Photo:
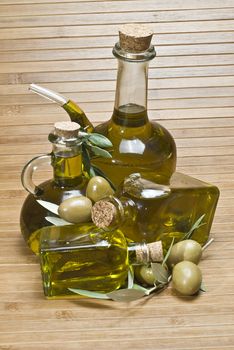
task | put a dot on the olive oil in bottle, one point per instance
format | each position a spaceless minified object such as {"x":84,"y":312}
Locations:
{"x":68,"y":180}
{"x":147,"y":212}
{"x":138,"y":144}
{"x":86,"y":257}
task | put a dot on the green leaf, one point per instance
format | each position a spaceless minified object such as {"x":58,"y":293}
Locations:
{"x":86,"y":158}
{"x":195,"y":226}
{"x":87,"y":293}
{"x":147,"y":291}
{"x":100,"y":152}
{"x":168,"y":252}
{"x":100,"y":140}
{"x":57,"y":221}
{"x":202,"y":287}
{"x":126,"y":295}
{"x":130,"y":277}
{"x":53,"y":208}
{"x":92,"y":171}
{"x":160,"y":272}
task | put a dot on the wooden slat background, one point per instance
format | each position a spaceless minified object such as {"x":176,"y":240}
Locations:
{"x":66,"y":45}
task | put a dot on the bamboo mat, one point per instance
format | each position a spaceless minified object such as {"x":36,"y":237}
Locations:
{"x":66,"y":46}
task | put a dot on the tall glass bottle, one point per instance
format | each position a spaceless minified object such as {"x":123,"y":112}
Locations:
{"x":147,"y":212}
{"x":138,"y":144}
{"x":68,"y":180}
{"x":85,"y":257}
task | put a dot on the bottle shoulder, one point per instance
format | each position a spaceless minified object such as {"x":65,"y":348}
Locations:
{"x":152,"y":134}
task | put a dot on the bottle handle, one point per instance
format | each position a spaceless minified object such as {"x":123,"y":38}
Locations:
{"x":28,"y":170}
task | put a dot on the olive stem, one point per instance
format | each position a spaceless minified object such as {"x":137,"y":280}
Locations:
{"x":207,"y":244}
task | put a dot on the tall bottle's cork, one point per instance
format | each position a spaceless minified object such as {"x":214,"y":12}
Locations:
{"x":66,"y":129}
{"x":135,"y":37}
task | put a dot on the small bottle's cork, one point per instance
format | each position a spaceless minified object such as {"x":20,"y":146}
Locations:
{"x":103,"y":213}
{"x":135,"y":37}
{"x":151,"y":252}
{"x":155,"y":251}
{"x":66,"y":129}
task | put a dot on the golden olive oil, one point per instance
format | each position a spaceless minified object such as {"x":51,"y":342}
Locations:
{"x":138,"y":146}
{"x":148,"y":212}
{"x":82,"y":257}
{"x":173,"y":215}
{"x":69,"y":183}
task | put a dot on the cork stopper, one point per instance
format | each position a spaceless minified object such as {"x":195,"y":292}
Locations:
{"x":135,"y":37}
{"x":151,"y":252}
{"x":66,"y":129}
{"x":103,"y":213}
{"x":155,"y":251}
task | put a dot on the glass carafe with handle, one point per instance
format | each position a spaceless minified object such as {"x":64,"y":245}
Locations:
{"x":68,"y":180}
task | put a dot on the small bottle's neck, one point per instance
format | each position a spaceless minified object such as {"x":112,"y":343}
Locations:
{"x":111,"y":212}
{"x":142,"y":253}
{"x":67,"y":165}
{"x":132,"y":87}
{"x":138,"y":253}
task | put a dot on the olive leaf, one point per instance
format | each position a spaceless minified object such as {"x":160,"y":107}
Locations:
{"x":160,"y":272}
{"x":195,"y":226}
{"x":53,"y":208}
{"x":92,"y":171}
{"x":99,"y":140}
{"x":126,"y":294}
{"x":168,"y":252}
{"x":57,"y":221}
{"x":207,"y":244}
{"x":86,"y":159}
{"x":202,"y":288}
{"x":147,"y":291}
{"x":99,"y":151}
{"x":130,"y":277}
{"x":87,"y":293}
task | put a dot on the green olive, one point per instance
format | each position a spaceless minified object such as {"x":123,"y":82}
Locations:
{"x":98,"y":188}
{"x":76,"y":209}
{"x":188,"y":249}
{"x":186,"y":278}
{"x":144,"y":274}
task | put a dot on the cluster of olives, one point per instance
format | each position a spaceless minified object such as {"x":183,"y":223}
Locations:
{"x":182,"y":261}
{"x":77,"y":209}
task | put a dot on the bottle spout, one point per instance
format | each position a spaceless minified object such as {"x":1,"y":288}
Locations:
{"x":49,"y":94}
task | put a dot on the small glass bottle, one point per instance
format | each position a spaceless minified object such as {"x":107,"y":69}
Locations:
{"x":86,"y":257}
{"x":75,"y":113}
{"x":68,"y":180}
{"x":147,"y":212}
{"x":138,"y":144}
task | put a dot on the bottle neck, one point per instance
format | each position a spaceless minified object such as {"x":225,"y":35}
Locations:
{"x":142,"y":253}
{"x":77,"y":115}
{"x":110,"y":213}
{"x":138,"y":253}
{"x":132,"y":86}
{"x":66,"y":161}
